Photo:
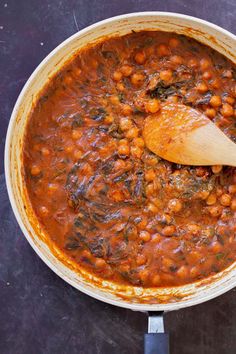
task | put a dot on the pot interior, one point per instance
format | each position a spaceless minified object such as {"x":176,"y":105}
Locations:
{"x":126,"y":296}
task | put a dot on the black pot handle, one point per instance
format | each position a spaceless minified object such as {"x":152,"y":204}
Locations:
{"x":156,"y":341}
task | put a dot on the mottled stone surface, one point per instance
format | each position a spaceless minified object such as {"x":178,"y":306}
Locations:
{"x":39,"y":313}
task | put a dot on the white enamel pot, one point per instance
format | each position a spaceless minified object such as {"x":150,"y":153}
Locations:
{"x":135,"y":298}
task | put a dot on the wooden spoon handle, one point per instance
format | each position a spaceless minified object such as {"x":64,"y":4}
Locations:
{"x":210,"y":146}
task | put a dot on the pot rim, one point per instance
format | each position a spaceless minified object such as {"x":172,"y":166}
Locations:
{"x":121,"y":303}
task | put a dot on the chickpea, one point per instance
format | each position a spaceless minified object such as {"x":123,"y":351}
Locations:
{"x":157,"y":203}
{"x":152,"y":208}
{"x":166,"y":75}
{"x":125,"y":267}
{"x":225,"y":199}
{"x":126,"y":70}
{"x":194,"y":271}
{"x":115,"y":99}
{"x":211,"y":199}
{"x":69,"y":148}
{"x":124,"y":150}
{"x":141,"y":259}
{"x":120,"y":86}
{"x":207,"y":75}
{"x":149,"y":189}
{"x":45,"y":151}
{"x":156,"y":238}
{"x":174,"y":42}
{"x":183,"y":91}
{"x":173,"y":99}
{"x":150,"y":175}
{"x":182,"y":272}
{"x":43,"y":211}
{"x":192,"y":63}
{"x":203,"y":194}
{"x":216,"y":83}
{"x":168,"y":230}
{"x":67,"y":80}
{"x":176,"y":59}
{"x":216,"y":247}
{"x":230,"y":100}
{"x":123,"y":142}
{"x":193,"y":228}
{"x":117,"y":196}
{"x":117,"y":75}
{"x":227,"y":110}
{"x":136,"y":151}
{"x":205,"y":64}
{"x":227,"y":74}
{"x":200,"y":171}
{"x":215,"y":211}
{"x":233,"y":204}
{"x":119,"y":164}
{"x":202,"y":87}
{"x":109,"y":119}
{"x":144,"y":275}
{"x":152,"y":105}
{"x":168,"y":278}
{"x":145,"y":236}
{"x":127,"y":109}
{"x":194,"y":257}
{"x":207,"y":262}
{"x":215,"y":101}
{"x":175,"y":205}
{"x":142,"y":223}
{"x":100,"y":263}
{"x":126,"y":123}
{"x":232,"y":189}
{"x":156,"y":279}
{"x":216,"y":168}
{"x":166,"y":217}
{"x":210,"y":112}
{"x":35,"y":170}
{"x":78,"y":154}
{"x":132,"y":133}
{"x":137,"y":79}
{"x":86,"y":254}
{"x":163,"y":50}
{"x":139,"y":142}
{"x":153,"y":161}
{"x":167,"y":263}
{"x":76,"y":134}
{"x":140,"y":57}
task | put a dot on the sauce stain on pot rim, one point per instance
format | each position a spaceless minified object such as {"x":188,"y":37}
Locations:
{"x":175,"y":295}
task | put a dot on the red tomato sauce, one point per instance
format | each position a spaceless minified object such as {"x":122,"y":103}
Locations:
{"x":102,"y":197}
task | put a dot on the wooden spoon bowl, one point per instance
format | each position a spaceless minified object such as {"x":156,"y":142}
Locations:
{"x":183,"y":135}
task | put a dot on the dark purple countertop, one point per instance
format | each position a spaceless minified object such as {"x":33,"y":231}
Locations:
{"x":39,"y":313}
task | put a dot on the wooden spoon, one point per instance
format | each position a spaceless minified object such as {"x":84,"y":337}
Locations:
{"x":185,"y":136}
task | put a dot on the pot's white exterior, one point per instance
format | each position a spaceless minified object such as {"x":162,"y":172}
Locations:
{"x":129,"y":297}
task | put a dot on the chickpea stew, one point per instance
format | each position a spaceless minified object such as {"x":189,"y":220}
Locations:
{"x":102,"y":197}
